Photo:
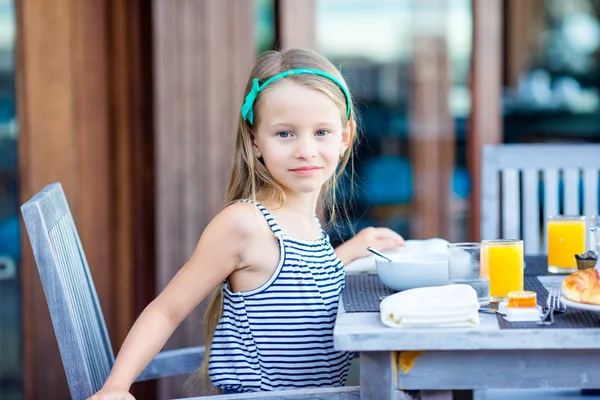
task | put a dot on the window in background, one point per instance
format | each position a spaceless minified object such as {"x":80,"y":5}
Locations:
{"x":407,"y":64}
{"x":10,"y":250}
{"x":264,"y":24}
{"x":552,"y":54}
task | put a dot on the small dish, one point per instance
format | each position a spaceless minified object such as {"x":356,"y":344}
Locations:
{"x":585,"y":264}
{"x":586,"y":260}
{"x":529,"y":314}
{"x":419,"y":270}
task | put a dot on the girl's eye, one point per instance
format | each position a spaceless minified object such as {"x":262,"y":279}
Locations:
{"x":322,"y":132}
{"x":284,"y":134}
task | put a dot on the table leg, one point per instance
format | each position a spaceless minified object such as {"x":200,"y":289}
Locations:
{"x":378,"y":377}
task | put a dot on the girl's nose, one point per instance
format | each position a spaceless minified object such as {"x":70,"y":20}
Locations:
{"x":305,"y":149}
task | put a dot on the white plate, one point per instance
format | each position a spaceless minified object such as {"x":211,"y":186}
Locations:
{"x":581,"y":306}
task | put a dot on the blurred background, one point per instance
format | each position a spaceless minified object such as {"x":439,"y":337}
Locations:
{"x":132,"y":106}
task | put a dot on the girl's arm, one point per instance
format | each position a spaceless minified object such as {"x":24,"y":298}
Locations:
{"x":220,"y":251}
{"x":379,"y":238}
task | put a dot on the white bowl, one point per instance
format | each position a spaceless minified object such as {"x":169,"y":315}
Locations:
{"x":418,"y":270}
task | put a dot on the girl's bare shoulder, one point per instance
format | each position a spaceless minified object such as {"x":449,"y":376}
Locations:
{"x":241,"y":219}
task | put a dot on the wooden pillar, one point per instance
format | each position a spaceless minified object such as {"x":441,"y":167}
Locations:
{"x":81,"y":106}
{"x":296,"y":24}
{"x":63,"y":124}
{"x":432,"y":136}
{"x":485,"y":123}
{"x":525,"y":22}
{"x":203,"y":54}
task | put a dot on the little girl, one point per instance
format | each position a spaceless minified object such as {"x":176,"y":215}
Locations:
{"x":270,"y":323}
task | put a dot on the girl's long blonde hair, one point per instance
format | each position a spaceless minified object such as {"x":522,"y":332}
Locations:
{"x":249,"y":178}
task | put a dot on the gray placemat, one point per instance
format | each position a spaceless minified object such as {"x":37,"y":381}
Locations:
{"x":536,"y":266}
{"x":362,"y":293}
{"x":573,"y":318}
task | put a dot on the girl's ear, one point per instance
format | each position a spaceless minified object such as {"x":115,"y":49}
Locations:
{"x":348,"y":134}
{"x":255,"y":148}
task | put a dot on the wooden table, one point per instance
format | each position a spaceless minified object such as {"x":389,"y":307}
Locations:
{"x":436,"y":361}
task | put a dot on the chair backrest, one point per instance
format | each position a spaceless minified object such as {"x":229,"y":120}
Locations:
{"x":522,"y":184}
{"x":79,"y":325}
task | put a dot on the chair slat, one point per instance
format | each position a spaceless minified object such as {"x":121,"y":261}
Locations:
{"x":511,"y":210}
{"x":51,"y":208}
{"x":590,"y":192}
{"x":531,"y":212}
{"x":98,"y":362}
{"x":490,"y":195}
{"x":550,"y":199}
{"x":571,"y":191}
{"x":590,"y":196}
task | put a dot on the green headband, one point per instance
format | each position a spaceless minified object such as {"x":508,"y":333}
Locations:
{"x":248,"y":107}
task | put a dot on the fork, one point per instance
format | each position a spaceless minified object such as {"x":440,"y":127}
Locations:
{"x":559,"y":306}
{"x":553,"y":304}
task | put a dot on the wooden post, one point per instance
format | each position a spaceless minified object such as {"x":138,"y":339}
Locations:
{"x":432,"y":135}
{"x":485,"y":124}
{"x":83,"y":93}
{"x":296,"y":24}
{"x":63,"y":136}
{"x":526,"y":22}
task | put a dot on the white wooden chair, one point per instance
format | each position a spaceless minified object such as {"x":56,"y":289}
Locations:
{"x":512,"y":176}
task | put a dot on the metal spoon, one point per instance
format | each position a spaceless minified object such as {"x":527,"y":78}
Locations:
{"x":378,"y":253}
{"x":488,"y":310}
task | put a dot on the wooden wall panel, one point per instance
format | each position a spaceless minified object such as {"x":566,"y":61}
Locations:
{"x":130,"y":33}
{"x":203,"y":53}
{"x":122,"y":123}
{"x":485,"y":123}
{"x":141,"y":128}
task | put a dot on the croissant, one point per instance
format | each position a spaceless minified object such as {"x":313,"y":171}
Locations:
{"x":582,"y":286}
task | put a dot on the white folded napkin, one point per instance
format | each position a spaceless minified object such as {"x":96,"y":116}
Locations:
{"x":411,"y":247}
{"x":441,"y":306}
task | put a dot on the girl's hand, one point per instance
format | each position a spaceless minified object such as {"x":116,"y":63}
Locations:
{"x":105,"y":394}
{"x":379,"y":238}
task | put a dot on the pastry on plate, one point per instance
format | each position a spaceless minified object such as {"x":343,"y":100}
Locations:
{"x":582,"y":286}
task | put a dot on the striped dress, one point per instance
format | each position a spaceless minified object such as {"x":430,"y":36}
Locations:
{"x":280,"y":335}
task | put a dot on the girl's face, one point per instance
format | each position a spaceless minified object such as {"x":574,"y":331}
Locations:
{"x":300,"y":136}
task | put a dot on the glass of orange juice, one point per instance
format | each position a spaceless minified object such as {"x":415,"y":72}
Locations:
{"x":502,"y":261}
{"x":566,"y":237}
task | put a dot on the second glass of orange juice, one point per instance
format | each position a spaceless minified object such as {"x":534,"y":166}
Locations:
{"x":502,"y":261}
{"x":566,"y":237}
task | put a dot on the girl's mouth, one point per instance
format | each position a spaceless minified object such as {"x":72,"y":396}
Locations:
{"x":308,"y":170}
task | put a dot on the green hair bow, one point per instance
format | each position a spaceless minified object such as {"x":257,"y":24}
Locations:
{"x":248,"y":106}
